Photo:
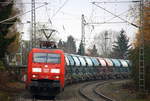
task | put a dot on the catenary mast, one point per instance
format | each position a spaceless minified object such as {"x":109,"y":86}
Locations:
{"x":33,"y":25}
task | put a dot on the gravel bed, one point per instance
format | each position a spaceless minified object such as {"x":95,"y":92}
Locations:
{"x":71,"y":93}
{"x":88,"y":90}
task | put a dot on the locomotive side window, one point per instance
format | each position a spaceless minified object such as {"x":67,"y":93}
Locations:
{"x":53,"y":58}
{"x":39,"y":57}
{"x":46,"y":58}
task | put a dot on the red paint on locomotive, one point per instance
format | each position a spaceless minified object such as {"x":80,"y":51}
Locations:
{"x":51,"y":69}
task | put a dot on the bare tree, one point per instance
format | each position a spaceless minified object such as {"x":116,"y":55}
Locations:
{"x":104,"y":41}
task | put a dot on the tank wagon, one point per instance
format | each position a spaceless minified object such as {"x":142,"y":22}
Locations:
{"x":49,"y":70}
{"x":92,"y":68}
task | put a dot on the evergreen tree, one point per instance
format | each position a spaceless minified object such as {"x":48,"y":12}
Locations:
{"x":71,"y":45}
{"x":60,"y":44}
{"x":93,"y":51}
{"x":121,"y":46}
{"x":81,"y":50}
{"x":6,"y":11}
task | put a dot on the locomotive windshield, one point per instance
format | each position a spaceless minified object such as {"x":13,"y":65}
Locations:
{"x":46,"y":58}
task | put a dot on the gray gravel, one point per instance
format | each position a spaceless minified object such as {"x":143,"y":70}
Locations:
{"x":71,"y":93}
{"x":88,"y":91}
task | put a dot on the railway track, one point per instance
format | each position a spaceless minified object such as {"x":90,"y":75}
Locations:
{"x":27,"y":97}
{"x":88,"y":91}
{"x":34,"y":100}
{"x":100,"y":94}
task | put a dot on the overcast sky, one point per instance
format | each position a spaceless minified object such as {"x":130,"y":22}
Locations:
{"x":67,"y":21}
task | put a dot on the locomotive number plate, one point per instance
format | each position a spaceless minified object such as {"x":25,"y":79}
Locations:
{"x":46,"y":70}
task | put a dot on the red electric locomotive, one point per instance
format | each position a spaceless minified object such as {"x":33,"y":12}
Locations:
{"x":46,"y":71}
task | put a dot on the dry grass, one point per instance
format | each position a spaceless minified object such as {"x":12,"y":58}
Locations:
{"x":9,"y":88}
{"x":116,"y":91}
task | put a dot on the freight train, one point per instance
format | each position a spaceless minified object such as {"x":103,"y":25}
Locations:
{"x":49,"y":70}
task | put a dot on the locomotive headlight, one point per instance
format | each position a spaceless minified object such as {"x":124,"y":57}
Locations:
{"x":36,"y":70}
{"x":34,"y":76}
{"x":55,"y":70}
{"x":57,"y":77}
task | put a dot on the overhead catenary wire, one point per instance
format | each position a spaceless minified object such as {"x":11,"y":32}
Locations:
{"x":115,"y":15}
{"x":133,"y":1}
{"x":99,"y":23}
{"x":59,"y":9}
{"x":49,"y":19}
{"x":107,"y":21}
{"x":23,"y":2}
{"x":90,"y":19}
{"x":21,"y":14}
{"x":119,"y":14}
{"x":92,"y":12}
{"x":73,"y":16}
{"x":95,"y":23}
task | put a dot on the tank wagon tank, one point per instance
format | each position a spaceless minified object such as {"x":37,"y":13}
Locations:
{"x":49,"y":70}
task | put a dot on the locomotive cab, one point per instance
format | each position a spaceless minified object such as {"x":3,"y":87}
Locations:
{"x":45,"y":71}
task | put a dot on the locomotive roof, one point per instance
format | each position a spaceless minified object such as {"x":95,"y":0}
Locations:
{"x":45,"y":49}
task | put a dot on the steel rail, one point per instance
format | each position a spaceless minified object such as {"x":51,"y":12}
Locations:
{"x":100,"y":94}
{"x":106,"y":98}
{"x":82,"y":93}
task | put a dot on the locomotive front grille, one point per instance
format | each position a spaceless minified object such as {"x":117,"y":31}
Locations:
{"x":45,"y":84}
